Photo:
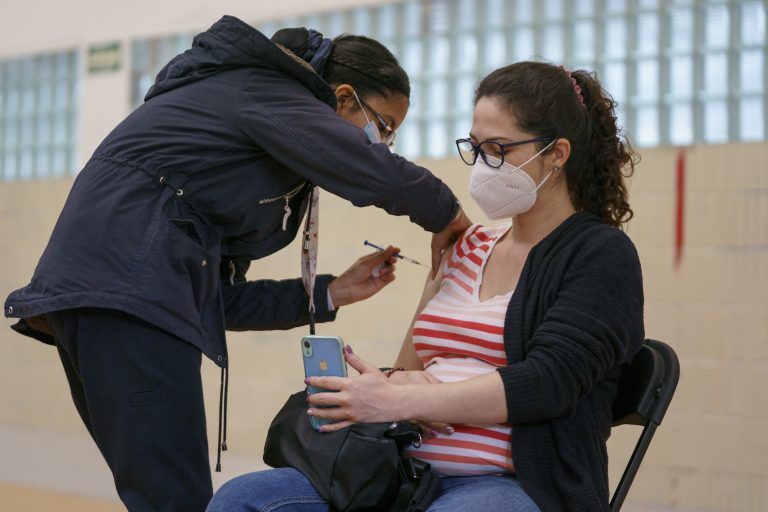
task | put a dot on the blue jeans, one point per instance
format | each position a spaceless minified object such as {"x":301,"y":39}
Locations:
{"x":287,"y":490}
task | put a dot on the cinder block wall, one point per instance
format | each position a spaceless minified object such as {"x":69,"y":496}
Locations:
{"x":709,"y":453}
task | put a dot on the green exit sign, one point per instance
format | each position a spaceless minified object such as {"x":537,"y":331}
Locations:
{"x":103,"y":57}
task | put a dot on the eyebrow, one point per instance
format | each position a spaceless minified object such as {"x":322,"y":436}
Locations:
{"x":490,"y":139}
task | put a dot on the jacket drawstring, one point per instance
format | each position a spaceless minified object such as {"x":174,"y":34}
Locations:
{"x":221,"y":442}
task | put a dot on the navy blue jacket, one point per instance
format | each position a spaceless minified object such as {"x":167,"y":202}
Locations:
{"x":162,"y":221}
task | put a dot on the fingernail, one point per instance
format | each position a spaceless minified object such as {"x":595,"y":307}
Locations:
{"x":434,"y":433}
{"x":449,"y":430}
{"x":306,"y":381}
{"x":348,"y":349}
{"x":310,"y":411}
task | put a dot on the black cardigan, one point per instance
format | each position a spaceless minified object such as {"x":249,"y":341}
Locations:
{"x":575,"y":318}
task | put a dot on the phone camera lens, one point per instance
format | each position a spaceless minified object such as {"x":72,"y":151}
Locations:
{"x":306,"y":344}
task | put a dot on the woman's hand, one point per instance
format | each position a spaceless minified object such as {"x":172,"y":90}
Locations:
{"x":364,"y":278}
{"x":369,"y":398}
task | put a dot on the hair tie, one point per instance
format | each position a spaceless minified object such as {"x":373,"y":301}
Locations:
{"x":576,"y":87}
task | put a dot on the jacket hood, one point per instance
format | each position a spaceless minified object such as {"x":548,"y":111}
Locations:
{"x":231,"y":43}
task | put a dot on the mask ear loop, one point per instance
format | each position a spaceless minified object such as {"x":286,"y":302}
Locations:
{"x":361,"y":106}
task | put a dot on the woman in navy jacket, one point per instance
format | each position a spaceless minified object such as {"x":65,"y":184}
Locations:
{"x":145,"y":268}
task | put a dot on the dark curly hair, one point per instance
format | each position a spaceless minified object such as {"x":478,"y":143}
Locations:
{"x":545,"y":102}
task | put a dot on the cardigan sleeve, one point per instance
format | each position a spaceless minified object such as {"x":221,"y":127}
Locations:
{"x":593,"y":325}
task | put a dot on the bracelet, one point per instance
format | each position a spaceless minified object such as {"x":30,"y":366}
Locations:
{"x":389,"y":372}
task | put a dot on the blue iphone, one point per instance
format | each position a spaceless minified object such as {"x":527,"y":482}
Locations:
{"x":323,"y":356}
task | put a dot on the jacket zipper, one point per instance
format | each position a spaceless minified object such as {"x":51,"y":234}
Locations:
{"x":287,"y":196}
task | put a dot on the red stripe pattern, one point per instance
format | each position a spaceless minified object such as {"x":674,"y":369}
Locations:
{"x":458,"y":337}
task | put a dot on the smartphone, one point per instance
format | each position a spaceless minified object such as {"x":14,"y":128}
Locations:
{"x":323,"y":356}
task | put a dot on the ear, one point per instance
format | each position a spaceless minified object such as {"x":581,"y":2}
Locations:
{"x":345,"y":99}
{"x":561,"y":152}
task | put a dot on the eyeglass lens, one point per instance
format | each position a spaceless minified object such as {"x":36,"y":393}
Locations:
{"x":469,"y":152}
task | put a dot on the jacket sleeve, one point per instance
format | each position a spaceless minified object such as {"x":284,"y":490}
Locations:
{"x":265,"y":305}
{"x":593,"y":326}
{"x":304,"y":134}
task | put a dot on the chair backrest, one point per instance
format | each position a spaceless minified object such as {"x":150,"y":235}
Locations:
{"x":645,"y":390}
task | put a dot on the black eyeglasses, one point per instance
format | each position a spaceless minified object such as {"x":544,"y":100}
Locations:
{"x":469,"y":151}
{"x":388,"y":135}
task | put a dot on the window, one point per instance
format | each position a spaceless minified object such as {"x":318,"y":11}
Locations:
{"x":38,"y":112}
{"x":149,"y":56}
{"x":683,"y":71}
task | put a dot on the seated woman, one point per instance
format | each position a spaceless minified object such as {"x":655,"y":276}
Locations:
{"x":513,"y":358}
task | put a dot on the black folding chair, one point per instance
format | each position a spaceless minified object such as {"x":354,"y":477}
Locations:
{"x":646,"y":388}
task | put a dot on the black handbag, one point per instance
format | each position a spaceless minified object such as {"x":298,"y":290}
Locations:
{"x":358,"y":468}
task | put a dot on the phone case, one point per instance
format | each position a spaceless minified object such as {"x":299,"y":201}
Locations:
{"x":323,"y":356}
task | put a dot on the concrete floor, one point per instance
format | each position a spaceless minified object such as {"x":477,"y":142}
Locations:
{"x":42,"y":470}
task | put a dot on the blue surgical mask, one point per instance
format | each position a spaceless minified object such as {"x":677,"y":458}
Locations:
{"x":370,"y":129}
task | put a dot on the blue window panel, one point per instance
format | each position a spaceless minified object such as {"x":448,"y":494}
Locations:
{"x":648,"y":79}
{"x":553,"y":10}
{"x":681,"y":76}
{"x":753,"y":23}
{"x":648,"y":34}
{"x":716,"y":73}
{"x":616,"y":6}
{"x":464,"y":94}
{"x":461,"y":129}
{"x":495,"y":50}
{"x":437,"y":139}
{"x":9,"y":164}
{"x":438,"y":96}
{"x":647,"y":126}
{"x":717,"y":26}
{"x":616,"y":37}
{"x":412,"y":56}
{"x":752,"y":119}
{"x":439,"y":55}
{"x":466,"y":14}
{"x":59,"y":163}
{"x":648,"y":4}
{"x":616,"y":79}
{"x":716,"y":121}
{"x":387,"y":21}
{"x":584,"y":40}
{"x":681,"y":123}
{"x":681,"y":30}
{"x":361,"y":20}
{"x":439,"y":19}
{"x":408,"y":141}
{"x":466,"y":53}
{"x":554,"y":45}
{"x":495,"y":11}
{"x":412,"y":20}
{"x":584,"y":7}
{"x":751,"y":71}
{"x":524,"y":46}
{"x":524,"y":11}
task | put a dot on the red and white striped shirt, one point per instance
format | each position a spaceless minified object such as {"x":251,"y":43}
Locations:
{"x":458,"y":337}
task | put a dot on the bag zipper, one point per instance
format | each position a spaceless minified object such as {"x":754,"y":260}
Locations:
{"x":287,"y":196}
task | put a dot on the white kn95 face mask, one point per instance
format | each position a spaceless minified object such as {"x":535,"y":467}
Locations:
{"x":505,"y":191}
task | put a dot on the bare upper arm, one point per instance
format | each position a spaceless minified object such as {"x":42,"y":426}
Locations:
{"x":408,"y":358}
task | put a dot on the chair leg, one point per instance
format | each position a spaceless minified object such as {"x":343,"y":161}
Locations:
{"x":632,"y":466}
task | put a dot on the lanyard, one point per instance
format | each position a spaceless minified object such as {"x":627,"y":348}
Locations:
{"x":309,"y":252}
